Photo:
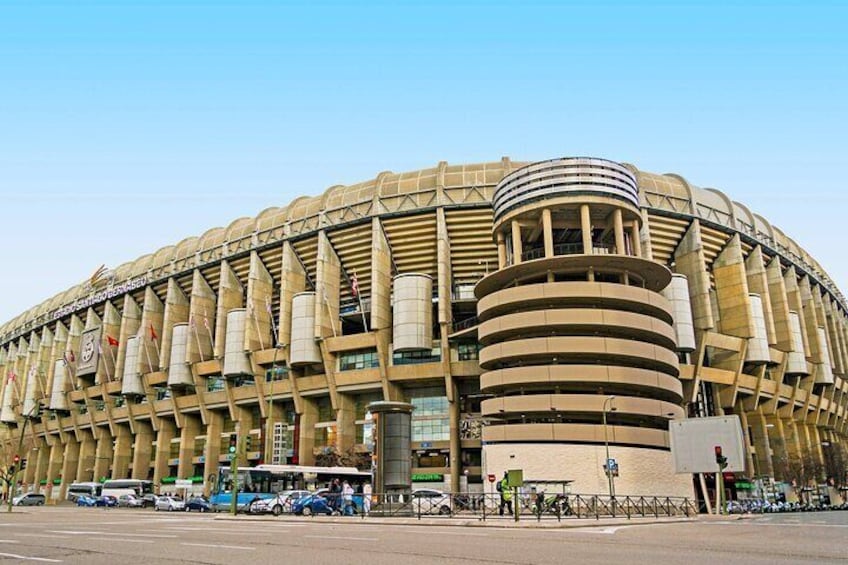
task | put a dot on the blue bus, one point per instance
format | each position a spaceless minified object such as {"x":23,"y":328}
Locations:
{"x":266,"y":481}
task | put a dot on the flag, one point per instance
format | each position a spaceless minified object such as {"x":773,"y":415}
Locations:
{"x":268,"y":306}
{"x":111,"y":341}
{"x":191,"y":323}
{"x":71,"y":357}
{"x":354,"y":285}
{"x":153,"y":335}
{"x":11,"y":377}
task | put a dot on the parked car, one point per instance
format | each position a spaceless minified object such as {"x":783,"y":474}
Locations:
{"x":198,"y":503}
{"x":169,"y":503}
{"x":85,"y":500}
{"x":130,"y":501}
{"x":107,"y":501}
{"x":29,"y":499}
{"x":312,"y":504}
{"x":149,"y":500}
{"x":279,"y":504}
{"x":431,"y":501}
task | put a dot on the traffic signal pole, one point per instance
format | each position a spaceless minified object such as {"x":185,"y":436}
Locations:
{"x":13,"y":481}
{"x":234,"y":479}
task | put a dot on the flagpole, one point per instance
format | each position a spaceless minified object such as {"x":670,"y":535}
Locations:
{"x":359,"y":299}
{"x":105,"y":365}
{"x":114,"y":361}
{"x":274,"y":336}
{"x":208,"y":329}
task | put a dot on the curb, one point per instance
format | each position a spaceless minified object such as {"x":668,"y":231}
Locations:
{"x":466,"y":523}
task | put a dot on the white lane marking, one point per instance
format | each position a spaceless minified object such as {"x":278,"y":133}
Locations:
{"x":218,"y":546}
{"x":24,"y":557}
{"x":43,"y":536}
{"x":86,"y":533}
{"x":340,"y":537}
{"x":443,"y":533}
{"x":131,"y":540}
{"x":9,"y":541}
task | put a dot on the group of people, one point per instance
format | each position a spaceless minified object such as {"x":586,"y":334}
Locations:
{"x":340,"y":497}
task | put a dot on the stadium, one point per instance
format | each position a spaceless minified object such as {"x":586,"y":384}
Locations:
{"x":537,"y":315}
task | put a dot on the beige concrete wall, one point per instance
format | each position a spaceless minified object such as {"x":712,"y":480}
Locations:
{"x":642,"y":471}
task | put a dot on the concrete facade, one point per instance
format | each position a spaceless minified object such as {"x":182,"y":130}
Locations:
{"x":606,"y":254}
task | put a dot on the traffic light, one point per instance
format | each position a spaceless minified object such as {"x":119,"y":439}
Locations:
{"x":23,"y":464}
{"x":233,"y":443}
{"x":721,"y":460}
{"x":248,"y":442}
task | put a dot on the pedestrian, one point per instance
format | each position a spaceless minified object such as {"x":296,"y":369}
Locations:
{"x":366,"y":498}
{"x":335,"y":495}
{"x":506,"y":496}
{"x":347,"y":497}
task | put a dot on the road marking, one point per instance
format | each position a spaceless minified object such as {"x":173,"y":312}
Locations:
{"x":24,"y":557}
{"x":218,"y":546}
{"x":340,"y":537}
{"x":75,"y":532}
{"x":131,"y":540}
{"x":9,"y":541}
{"x":43,"y":536}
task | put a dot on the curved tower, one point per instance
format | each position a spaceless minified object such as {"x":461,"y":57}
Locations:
{"x":578,"y":343}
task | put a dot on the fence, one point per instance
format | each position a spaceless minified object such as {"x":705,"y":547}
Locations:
{"x":536,"y":506}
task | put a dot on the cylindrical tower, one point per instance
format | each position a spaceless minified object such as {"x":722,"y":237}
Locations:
{"x":579,"y":351}
{"x":179,"y":371}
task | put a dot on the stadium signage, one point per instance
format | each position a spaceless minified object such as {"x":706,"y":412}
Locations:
{"x":98,"y":297}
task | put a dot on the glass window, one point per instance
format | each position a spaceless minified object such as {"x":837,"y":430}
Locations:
{"x":325,"y":410}
{"x":361,"y":359}
{"x":214,"y":384}
{"x":430,"y":419}
{"x":416,"y":357}
{"x":279,"y":373}
{"x":469,"y":351}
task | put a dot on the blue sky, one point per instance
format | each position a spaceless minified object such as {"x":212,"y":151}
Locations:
{"x":127,"y":126}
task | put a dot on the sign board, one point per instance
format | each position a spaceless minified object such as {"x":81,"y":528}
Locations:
{"x":491,"y":478}
{"x":89,"y":352}
{"x":515,"y":478}
{"x":183,"y":483}
{"x":693,"y":443}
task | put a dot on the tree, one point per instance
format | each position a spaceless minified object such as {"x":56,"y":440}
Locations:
{"x":331,"y":457}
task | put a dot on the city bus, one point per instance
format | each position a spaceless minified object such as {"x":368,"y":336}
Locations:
{"x":118,"y":487}
{"x":265,"y":481}
{"x":77,"y":490}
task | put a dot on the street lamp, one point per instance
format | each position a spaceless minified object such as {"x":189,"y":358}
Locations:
{"x":608,"y":400}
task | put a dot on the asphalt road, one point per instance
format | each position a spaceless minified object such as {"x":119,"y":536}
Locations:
{"x":117,"y":536}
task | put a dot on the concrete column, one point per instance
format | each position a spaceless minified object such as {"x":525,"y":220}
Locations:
{"x":455,"y":444}
{"x":586,"y":228}
{"x":759,"y":432}
{"x":42,"y":461}
{"x":122,"y":455}
{"x":548,"y":232}
{"x":501,"y":250}
{"x":87,"y":454}
{"x":142,"y":450}
{"x":188,"y":433}
{"x":635,"y":239}
{"x":104,"y":454}
{"x":734,"y":302}
{"x":54,"y":467}
{"x":212,"y":451}
{"x":689,"y":260}
{"x":306,"y":441}
{"x":167,"y":431}
{"x":779,"y":306}
{"x":618,"y":230}
{"x":516,"y":243}
{"x":70,"y":461}
{"x":345,"y":423}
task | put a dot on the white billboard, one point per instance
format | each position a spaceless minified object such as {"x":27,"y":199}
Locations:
{"x":693,"y":444}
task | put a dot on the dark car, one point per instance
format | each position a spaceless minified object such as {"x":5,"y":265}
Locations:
{"x":312,"y":504}
{"x":198,"y":503}
{"x":106,"y":501}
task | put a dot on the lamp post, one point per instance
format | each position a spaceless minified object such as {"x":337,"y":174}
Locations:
{"x":608,"y":400}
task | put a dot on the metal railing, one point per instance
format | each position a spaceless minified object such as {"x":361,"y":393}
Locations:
{"x":533,"y":506}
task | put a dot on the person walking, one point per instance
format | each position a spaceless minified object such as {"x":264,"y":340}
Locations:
{"x":347,"y":499}
{"x":506,"y":496}
{"x":335,"y":497}
{"x":366,"y":498}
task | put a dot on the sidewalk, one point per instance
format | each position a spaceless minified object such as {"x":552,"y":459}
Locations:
{"x":470,"y":522}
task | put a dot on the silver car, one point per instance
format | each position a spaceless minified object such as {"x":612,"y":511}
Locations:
{"x":169,"y":503}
